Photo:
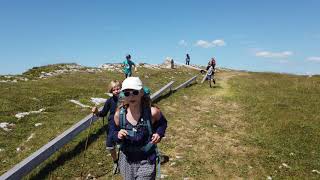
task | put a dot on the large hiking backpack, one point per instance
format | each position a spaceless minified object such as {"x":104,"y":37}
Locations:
{"x":146,"y":121}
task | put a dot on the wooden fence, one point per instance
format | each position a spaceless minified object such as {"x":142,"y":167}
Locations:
{"x":185,"y":84}
{"x":157,"y":94}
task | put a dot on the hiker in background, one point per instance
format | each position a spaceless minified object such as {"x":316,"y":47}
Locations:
{"x":213,"y":62}
{"x":110,"y":106}
{"x":172,"y":63}
{"x":210,"y":75}
{"x":127,"y":66}
{"x":139,"y":127}
{"x":187,"y":59}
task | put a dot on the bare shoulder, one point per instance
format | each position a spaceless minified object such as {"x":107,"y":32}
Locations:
{"x":156,"y":113}
{"x":116,"y":117}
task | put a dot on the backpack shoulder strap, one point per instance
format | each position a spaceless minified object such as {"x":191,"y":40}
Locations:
{"x":148,"y":118}
{"x":122,"y":117}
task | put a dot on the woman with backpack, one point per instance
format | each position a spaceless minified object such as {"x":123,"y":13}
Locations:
{"x":210,"y":74}
{"x":139,"y":127}
{"x":211,"y":70}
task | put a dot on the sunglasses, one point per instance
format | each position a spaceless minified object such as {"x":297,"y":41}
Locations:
{"x":134,"y":92}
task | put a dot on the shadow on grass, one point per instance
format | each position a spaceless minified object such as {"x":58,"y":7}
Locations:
{"x":164,"y":159}
{"x":217,"y":87}
{"x":45,"y":171}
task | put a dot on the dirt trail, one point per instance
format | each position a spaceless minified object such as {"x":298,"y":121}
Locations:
{"x":223,"y":78}
{"x":211,"y":142}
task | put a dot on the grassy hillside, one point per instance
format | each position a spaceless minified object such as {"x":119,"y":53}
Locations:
{"x":283,"y":118}
{"x":250,"y":125}
{"x":54,"y":94}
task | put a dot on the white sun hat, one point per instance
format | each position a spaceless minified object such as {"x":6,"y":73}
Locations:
{"x":132,"y":83}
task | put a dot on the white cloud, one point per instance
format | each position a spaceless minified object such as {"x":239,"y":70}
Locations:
{"x":183,"y":43}
{"x":268,"y":54}
{"x":203,"y":44}
{"x":218,"y":42}
{"x":313,"y":59}
{"x":207,"y":44}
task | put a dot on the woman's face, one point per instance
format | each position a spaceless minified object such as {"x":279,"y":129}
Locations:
{"x":133,"y":97}
{"x":116,"y":90}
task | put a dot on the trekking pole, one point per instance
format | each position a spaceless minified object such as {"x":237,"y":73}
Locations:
{"x":85,"y":146}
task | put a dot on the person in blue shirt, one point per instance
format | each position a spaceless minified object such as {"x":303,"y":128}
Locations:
{"x":127,"y":66}
{"x":110,"y":106}
{"x":139,"y":127}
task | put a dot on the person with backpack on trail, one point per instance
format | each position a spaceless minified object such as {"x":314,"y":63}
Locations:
{"x":127,"y":66}
{"x":210,"y":74}
{"x":110,"y":106}
{"x":211,"y":70}
{"x":187,"y":59}
{"x":138,"y":128}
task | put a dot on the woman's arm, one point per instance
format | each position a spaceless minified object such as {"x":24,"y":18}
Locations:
{"x":159,"y":124}
{"x":118,"y":134}
{"x":116,"y":128}
{"x":116,"y":118}
{"x":106,"y":109}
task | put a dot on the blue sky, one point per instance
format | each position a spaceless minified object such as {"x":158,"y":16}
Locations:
{"x":277,"y":36}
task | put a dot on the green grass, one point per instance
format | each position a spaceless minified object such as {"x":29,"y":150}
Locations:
{"x":244,"y":127}
{"x":54,"y":94}
{"x":282,"y":113}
